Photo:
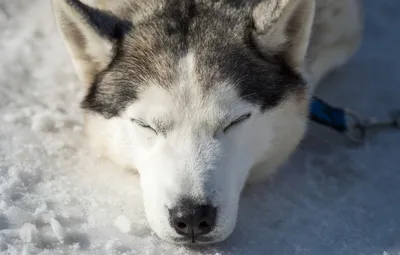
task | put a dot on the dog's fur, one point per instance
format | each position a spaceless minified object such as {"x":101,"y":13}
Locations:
{"x":166,"y":78}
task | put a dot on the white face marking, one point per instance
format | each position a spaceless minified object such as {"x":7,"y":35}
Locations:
{"x":189,"y":155}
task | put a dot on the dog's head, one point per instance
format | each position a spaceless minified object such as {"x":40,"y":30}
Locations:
{"x":194,"y":94}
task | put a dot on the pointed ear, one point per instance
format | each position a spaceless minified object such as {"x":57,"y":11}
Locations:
{"x":91,"y":36}
{"x":284,"y":26}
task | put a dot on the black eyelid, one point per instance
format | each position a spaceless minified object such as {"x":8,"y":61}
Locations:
{"x":142,"y":124}
{"x":238,"y":120}
{"x":243,"y":117}
{"x":139,"y":122}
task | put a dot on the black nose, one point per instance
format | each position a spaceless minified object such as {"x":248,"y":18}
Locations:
{"x":191,"y":219}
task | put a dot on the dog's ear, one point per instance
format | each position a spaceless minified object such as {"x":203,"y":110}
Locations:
{"x":91,"y":35}
{"x":284,"y":26}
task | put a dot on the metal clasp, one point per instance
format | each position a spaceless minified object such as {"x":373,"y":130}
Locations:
{"x":357,"y":128}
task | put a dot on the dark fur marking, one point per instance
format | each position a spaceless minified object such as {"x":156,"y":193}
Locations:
{"x":109,"y":94}
{"x":178,"y":17}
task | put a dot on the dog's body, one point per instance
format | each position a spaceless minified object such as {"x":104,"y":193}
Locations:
{"x":201,"y":96}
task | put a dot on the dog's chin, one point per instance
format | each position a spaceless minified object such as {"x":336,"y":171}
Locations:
{"x":192,"y":242}
{"x":197,"y":241}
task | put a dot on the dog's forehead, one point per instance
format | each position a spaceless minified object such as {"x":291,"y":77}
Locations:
{"x":186,"y":100}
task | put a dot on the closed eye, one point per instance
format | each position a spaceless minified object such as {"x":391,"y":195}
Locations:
{"x":143,"y":125}
{"x":237,"y":121}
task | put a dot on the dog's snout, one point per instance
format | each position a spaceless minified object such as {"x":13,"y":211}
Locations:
{"x":192,"y":220}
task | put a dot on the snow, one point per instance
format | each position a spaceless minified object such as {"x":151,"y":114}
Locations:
{"x":42,"y":122}
{"x":56,"y":197}
{"x":123,"y":224}
{"x":28,"y":233}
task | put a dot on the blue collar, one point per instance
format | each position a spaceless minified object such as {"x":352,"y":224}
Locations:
{"x":327,"y":115}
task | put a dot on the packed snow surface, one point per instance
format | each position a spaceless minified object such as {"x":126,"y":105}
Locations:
{"x":56,"y":197}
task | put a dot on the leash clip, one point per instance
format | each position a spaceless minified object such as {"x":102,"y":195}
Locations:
{"x":357,"y":128}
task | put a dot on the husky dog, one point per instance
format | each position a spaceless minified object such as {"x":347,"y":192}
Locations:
{"x":202,"y":96}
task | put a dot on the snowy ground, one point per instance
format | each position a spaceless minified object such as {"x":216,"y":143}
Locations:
{"x":56,"y":198}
